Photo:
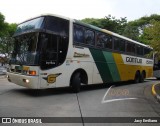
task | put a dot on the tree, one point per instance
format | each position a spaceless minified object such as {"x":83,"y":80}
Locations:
{"x":6,"y":40}
{"x":3,"y":26}
{"x":152,"y":35}
{"x":131,"y":31}
{"x":134,"y":29}
{"x":109,"y":23}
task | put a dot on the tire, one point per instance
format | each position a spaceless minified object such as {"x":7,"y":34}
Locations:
{"x":76,"y":82}
{"x":142,"y":77}
{"x":137,"y":77}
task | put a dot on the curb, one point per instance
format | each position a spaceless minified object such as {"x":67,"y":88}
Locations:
{"x":155,"y":92}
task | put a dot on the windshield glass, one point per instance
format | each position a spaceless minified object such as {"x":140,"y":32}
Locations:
{"x":46,"y":46}
{"x":25,"y":52}
{"x":30,"y":25}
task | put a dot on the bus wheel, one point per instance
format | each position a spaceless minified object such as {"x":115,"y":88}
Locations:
{"x":76,"y":82}
{"x":137,"y":77}
{"x":142,"y":77}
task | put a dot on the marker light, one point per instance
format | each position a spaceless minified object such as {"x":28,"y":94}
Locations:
{"x":33,"y":73}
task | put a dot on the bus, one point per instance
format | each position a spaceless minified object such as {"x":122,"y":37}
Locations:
{"x":156,"y":67}
{"x":55,"y":51}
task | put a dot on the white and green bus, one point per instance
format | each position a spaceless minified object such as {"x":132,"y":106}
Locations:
{"x":55,"y":51}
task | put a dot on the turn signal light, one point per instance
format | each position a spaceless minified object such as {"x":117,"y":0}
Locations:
{"x":33,"y":73}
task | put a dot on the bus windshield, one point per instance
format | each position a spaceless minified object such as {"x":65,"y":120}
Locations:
{"x":24,"y":51}
{"x":39,"y":42}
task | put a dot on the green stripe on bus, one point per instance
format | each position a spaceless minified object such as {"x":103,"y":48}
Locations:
{"x":102,"y":66}
{"x":112,"y":66}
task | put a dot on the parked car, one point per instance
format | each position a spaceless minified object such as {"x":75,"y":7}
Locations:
{"x":3,"y":70}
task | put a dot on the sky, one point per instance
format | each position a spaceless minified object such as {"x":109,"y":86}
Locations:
{"x":16,"y":11}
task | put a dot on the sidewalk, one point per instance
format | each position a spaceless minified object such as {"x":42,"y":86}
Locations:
{"x":3,"y":71}
{"x":156,"y":91}
{"x":3,"y":76}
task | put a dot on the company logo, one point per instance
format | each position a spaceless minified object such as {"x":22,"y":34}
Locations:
{"x":21,"y":120}
{"x":133,"y":60}
{"x":149,"y":62}
{"x":52,"y":77}
{"x":80,"y":54}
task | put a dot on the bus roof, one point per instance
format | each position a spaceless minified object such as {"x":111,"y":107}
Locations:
{"x":92,"y":27}
{"x":47,"y":14}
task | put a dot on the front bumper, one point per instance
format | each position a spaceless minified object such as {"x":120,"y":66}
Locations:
{"x":19,"y":79}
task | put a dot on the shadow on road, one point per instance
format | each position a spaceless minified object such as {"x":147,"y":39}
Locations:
{"x":44,"y":92}
{"x":67,"y":90}
{"x":103,"y":86}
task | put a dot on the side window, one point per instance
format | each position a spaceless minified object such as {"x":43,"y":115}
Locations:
{"x":147,"y":52}
{"x":139,"y":50}
{"x":78,"y":34}
{"x":104,"y":41}
{"x":57,"y":25}
{"x":116,"y":44}
{"x":108,"y":42}
{"x":100,"y":40}
{"x":89,"y":37}
{"x":130,"y":48}
{"x":119,"y":44}
{"x":122,"y":46}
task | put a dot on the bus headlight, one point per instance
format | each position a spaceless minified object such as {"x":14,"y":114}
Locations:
{"x":26,"y":81}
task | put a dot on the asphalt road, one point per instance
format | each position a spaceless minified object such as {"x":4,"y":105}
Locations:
{"x":115,"y":100}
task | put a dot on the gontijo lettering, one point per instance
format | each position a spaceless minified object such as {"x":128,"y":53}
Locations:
{"x":133,"y":60}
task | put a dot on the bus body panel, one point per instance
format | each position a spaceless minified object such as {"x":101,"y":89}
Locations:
{"x":83,"y":57}
{"x":19,"y":79}
{"x":96,"y":75}
{"x":113,"y":66}
{"x":128,"y":65}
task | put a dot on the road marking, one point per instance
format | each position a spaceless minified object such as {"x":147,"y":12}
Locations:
{"x":155,"y":94}
{"x":119,"y":99}
{"x":153,"y":89}
{"x":103,"y":100}
{"x":112,"y":100}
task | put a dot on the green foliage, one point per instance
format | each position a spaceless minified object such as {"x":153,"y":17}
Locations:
{"x":11,"y":28}
{"x":109,"y":23}
{"x":152,"y":35}
{"x":131,"y":32}
{"x":135,"y":29}
{"x":6,"y":40}
{"x":3,"y":26}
